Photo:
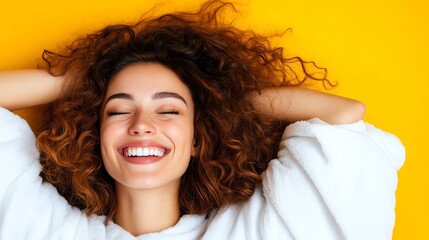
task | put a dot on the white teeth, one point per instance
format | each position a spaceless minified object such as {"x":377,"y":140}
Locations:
{"x":143,"y":152}
{"x":146,"y":152}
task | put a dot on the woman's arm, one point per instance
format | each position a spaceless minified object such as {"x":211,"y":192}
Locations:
{"x":291,"y":104}
{"x":27,"y":88}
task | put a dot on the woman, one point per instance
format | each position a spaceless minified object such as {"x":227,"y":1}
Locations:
{"x":166,"y":129}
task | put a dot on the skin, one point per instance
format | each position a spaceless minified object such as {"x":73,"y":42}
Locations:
{"x":137,"y":115}
{"x":26,"y":88}
{"x":294,"y":104}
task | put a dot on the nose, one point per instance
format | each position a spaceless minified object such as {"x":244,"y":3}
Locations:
{"x":142,"y":125}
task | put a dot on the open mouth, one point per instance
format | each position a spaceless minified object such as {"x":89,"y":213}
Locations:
{"x":143,"y":151}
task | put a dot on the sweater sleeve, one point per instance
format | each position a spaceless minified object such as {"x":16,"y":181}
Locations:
{"x":335,"y":181}
{"x":29,"y":208}
{"x":18,"y":153}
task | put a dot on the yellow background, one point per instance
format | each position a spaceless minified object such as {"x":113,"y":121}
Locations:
{"x":376,"y":50}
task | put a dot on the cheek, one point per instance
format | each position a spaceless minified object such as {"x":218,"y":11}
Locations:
{"x":110,"y":129}
{"x":104,"y":142}
{"x":108,"y":133}
{"x":181,"y":133}
{"x":104,"y":135}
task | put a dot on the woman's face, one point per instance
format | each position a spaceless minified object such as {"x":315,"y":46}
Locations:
{"x":147,"y":127}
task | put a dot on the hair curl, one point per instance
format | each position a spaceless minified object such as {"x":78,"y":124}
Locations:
{"x":220,"y":64}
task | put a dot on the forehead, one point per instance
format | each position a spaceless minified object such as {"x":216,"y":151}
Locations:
{"x":147,"y":78}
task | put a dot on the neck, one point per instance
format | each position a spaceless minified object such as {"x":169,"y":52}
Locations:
{"x":146,"y":211}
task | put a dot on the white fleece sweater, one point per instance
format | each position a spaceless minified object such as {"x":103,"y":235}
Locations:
{"x":329,"y":182}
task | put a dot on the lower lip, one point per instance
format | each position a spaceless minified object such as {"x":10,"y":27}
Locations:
{"x":142,"y":160}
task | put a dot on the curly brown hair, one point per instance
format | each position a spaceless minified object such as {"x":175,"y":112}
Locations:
{"x":220,"y":64}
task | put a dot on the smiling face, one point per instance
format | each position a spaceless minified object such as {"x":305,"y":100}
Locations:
{"x":146,"y":129}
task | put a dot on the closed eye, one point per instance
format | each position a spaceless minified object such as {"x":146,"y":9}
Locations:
{"x":170,"y":112}
{"x":116,"y":113}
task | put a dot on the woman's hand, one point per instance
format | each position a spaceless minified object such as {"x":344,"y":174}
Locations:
{"x":292,"y":104}
{"x":28,"y":88}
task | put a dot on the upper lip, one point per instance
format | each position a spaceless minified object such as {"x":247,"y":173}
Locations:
{"x":142,"y":144}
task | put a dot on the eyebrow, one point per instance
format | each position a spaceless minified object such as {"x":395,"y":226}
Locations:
{"x":120,"y":96}
{"x":158,"y":95}
{"x":161,"y":95}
